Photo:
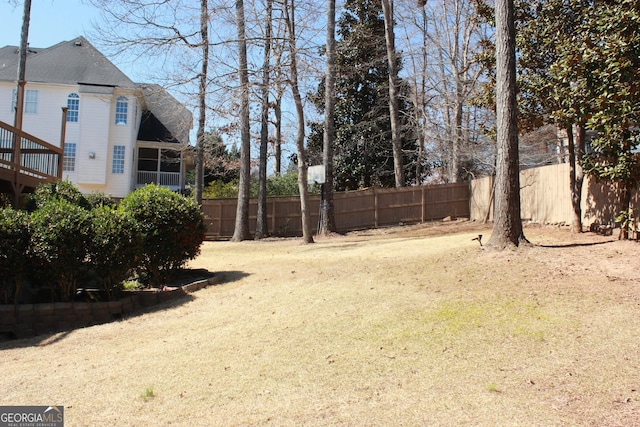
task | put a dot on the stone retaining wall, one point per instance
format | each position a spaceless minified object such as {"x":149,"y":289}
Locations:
{"x":28,"y":320}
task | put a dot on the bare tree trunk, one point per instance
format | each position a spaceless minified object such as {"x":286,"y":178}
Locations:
{"x":277,"y":107}
{"x":457,"y":115}
{"x":327,"y":212}
{"x":202,"y":100}
{"x":19,"y":101}
{"x":262,"y":229}
{"x":419,"y":94}
{"x":398,"y":167}
{"x":22,"y":64}
{"x":507,"y":226}
{"x":625,"y":206}
{"x":277,"y":152}
{"x":307,"y":235}
{"x":241,"y":231}
{"x":457,"y":137}
{"x":575,"y":147}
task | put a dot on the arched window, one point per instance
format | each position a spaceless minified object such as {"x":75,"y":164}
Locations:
{"x":122,"y":105}
{"x":73,"y":106}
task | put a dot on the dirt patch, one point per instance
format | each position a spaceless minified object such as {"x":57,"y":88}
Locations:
{"x":411,"y":325}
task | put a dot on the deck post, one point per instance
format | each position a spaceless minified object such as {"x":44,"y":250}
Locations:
{"x":63,"y":132}
{"x":15,"y":185}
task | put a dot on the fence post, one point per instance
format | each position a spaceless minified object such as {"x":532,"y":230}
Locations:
{"x":274,"y":201}
{"x":423,"y":201}
{"x":375,"y":208}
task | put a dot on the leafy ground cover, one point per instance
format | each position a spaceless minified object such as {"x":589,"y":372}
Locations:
{"x":401,"y":326}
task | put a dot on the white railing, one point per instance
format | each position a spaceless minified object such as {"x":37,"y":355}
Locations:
{"x":165,"y":179}
{"x":32,"y":157}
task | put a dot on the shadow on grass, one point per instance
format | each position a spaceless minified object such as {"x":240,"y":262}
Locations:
{"x":186,"y":279}
{"x":575,"y":245}
{"x":9,"y":342}
{"x":231,"y":276}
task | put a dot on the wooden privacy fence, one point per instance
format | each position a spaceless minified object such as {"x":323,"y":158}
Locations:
{"x":545,"y":197}
{"x":354,"y":210}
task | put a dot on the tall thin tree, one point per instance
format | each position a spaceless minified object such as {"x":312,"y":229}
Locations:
{"x":262,"y":229}
{"x":327,"y":212}
{"x":176,"y":35}
{"x":241,"y":231}
{"x":507,"y":225}
{"x":202,"y":99}
{"x":22,"y":64}
{"x":289,"y":12}
{"x":396,"y":143}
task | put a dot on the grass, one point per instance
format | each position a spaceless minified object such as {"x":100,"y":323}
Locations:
{"x":377,"y":328}
{"x":493,"y":387}
{"x":148,"y":394}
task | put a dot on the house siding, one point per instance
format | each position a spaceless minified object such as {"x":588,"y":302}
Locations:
{"x":121,"y":184}
{"x":77,"y":67}
{"x":93,"y":149}
{"x":45,"y":124}
{"x":95,"y":132}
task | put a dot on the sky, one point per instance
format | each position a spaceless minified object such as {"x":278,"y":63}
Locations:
{"x":52,"y":21}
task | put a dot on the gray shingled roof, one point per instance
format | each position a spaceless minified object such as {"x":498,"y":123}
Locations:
{"x":78,"y":62}
{"x":173,"y":115}
{"x":68,"y":62}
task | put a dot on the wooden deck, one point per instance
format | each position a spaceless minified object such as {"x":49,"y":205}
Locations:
{"x":26,"y":161}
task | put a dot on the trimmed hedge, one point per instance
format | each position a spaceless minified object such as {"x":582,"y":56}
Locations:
{"x":172,"y":228}
{"x":15,"y":238}
{"x":61,"y":232}
{"x":69,"y":237}
{"x":59,"y":190}
{"x":114,"y":247}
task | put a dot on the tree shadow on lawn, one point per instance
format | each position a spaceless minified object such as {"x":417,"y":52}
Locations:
{"x":8,"y":340}
{"x":574,"y":245}
{"x":231,"y":276}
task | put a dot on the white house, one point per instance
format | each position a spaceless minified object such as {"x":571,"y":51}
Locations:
{"x":119,"y":135}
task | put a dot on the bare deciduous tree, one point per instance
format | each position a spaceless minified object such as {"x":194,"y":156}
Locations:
{"x":159,"y":31}
{"x":241,"y":230}
{"x":262,"y":229}
{"x":289,"y":13}
{"x":202,"y":99}
{"x":441,"y":43}
{"x":327,"y":213}
{"x":398,"y":167}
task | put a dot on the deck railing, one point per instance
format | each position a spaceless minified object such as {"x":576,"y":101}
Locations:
{"x":26,"y":160}
{"x":165,"y":179}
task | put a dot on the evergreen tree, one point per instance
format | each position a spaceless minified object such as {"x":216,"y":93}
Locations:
{"x":610,"y":52}
{"x":363,"y":154}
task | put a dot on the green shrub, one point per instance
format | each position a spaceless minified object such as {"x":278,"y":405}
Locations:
{"x":60,"y":234}
{"x":59,"y":190}
{"x":114,"y":247}
{"x":14,"y":242}
{"x":172,"y":230}
{"x":284,"y":185}
{"x":5,"y":200}
{"x":98,"y":199}
{"x":221,"y":190}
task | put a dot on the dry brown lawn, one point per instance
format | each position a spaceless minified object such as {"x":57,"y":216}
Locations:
{"x":405,"y":326}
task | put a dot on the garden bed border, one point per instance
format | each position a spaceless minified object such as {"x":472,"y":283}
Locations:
{"x":29,"y":320}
